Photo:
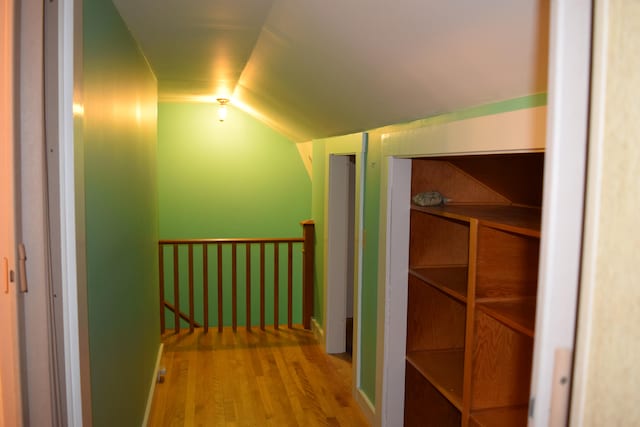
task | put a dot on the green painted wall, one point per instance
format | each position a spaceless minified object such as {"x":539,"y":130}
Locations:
{"x":119,"y":146}
{"x":371,"y":224}
{"x":369,"y":294}
{"x":237,"y":178}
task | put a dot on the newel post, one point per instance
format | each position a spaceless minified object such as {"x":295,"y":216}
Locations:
{"x":308,"y":255}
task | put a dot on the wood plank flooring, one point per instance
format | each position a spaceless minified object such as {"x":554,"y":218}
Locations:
{"x":254,"y":379}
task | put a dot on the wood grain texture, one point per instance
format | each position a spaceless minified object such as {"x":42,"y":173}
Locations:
{"x":234,"y":286}
{"x":452,"y":182}
{"x":435,"y":321}
{"x":176,"y":290}
{"x":260,"y":378}
{"x":220,"y":286}
{"x":451,"y":280}
{"x":470,"y":324}
{"x":443,"y":369}
{"x":205,"y":286}
{"x":247,"y":292}
{"x":507,"y":264}
{"x":524,"y":170}
{"x":501,"y":365}
{"x":424,"y":405}
{"x":191,"y":299}
{"x":437,"y":241}
{"x":519,"y":314}
{"x":500,"y":417}
{"x":517,"y":219}
{"x":161,"y":281}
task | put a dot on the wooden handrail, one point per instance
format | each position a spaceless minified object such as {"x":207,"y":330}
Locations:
{"x":230,"y":240}
{"x":307,"y":244}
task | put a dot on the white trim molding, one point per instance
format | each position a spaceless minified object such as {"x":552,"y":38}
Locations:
{"x":152,"y":388}
{"x":367,"y":408}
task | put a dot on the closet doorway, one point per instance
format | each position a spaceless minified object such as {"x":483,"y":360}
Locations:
{"x":341,"y":254}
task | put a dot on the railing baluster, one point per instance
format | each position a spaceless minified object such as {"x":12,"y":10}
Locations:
{"x":247,"y":257}
{"x":176,"y":290}
{"x":307,"y":242}
{"x":191,"y":305}
{"x":205,"y":286}
{"x":308,"y":230}
{"x":262,"y":286}
{"x":234,"y":287}
{"x":276,"y":285}
{"x":161,"y":267}
{"x":290,"y":285}
{"x":219,"y":248}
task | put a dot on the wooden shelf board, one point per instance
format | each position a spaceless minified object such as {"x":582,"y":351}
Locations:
{"x":516,"y":219}
{"x":518,"y":313}
{"x":451,"y":280}
{"x":500,"y":417}
{"x":443,"y":369}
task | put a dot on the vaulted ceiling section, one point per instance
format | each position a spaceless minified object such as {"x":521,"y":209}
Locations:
{"x":313,"y":69}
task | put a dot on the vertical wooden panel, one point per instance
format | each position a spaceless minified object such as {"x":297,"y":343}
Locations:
{"x":290,"y":285}
{"x":276,"y":285}
{"x":470,"y":319}
{"x":219,"y":248}
{"x":161,"y":273}
{"x":191,"y":305}
{"x":308,"y":231}
{"x":262,"y":286}
{"x":176,"y":291}
{"x":248,"y":284}
{"x":234,"y":287}
{"x":205,"y":286}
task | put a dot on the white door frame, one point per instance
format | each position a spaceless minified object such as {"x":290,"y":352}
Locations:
{"x":334,"y":310}
{"x":338,"y":255}
{"x":511,"y":132}
{"x":69,"y":111}
{"x":563,"y":210}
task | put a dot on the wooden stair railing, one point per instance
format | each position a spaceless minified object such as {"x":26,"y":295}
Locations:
{"x":307,"y":244}
{"x":182,"y":315}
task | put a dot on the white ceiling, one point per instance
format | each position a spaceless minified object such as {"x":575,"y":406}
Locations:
{"x":313,"y":69}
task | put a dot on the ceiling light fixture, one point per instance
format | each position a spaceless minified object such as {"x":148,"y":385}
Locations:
{"x":222,"y":109}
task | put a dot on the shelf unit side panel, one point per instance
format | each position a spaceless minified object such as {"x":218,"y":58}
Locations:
{"x":501,"y":365}
{"x":435,"y":321}
{"x":437,"y":241}
{"x":507,"y":264}
{"x":424,"y":405}
{"x":451,"y":182}
{"x":501,"y":417}
{"x":524,"y":171}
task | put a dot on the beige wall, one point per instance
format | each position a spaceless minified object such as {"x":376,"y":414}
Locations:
{"x":607,"y":377}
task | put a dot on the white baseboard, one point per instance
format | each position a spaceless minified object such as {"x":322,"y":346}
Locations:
{"x":317,"y":332}
{"x":152,"y":389}
{"x":366,"y":406}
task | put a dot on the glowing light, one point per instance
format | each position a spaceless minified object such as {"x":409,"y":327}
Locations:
{"x":222,"y":109}
{"x":78,"y":110}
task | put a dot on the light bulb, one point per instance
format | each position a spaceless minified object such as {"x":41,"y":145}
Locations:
{"x":222,"y":109}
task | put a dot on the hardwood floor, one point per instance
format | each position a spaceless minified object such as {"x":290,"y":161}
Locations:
{"x":253,"y":379}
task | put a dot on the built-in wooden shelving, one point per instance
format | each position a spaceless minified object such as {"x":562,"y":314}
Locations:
{"x":472,"y":295}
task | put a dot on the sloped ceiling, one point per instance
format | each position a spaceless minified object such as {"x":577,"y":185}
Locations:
{"x":314,"y":69}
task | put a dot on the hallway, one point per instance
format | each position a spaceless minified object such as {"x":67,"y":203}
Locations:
{"x":270,"y":378}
